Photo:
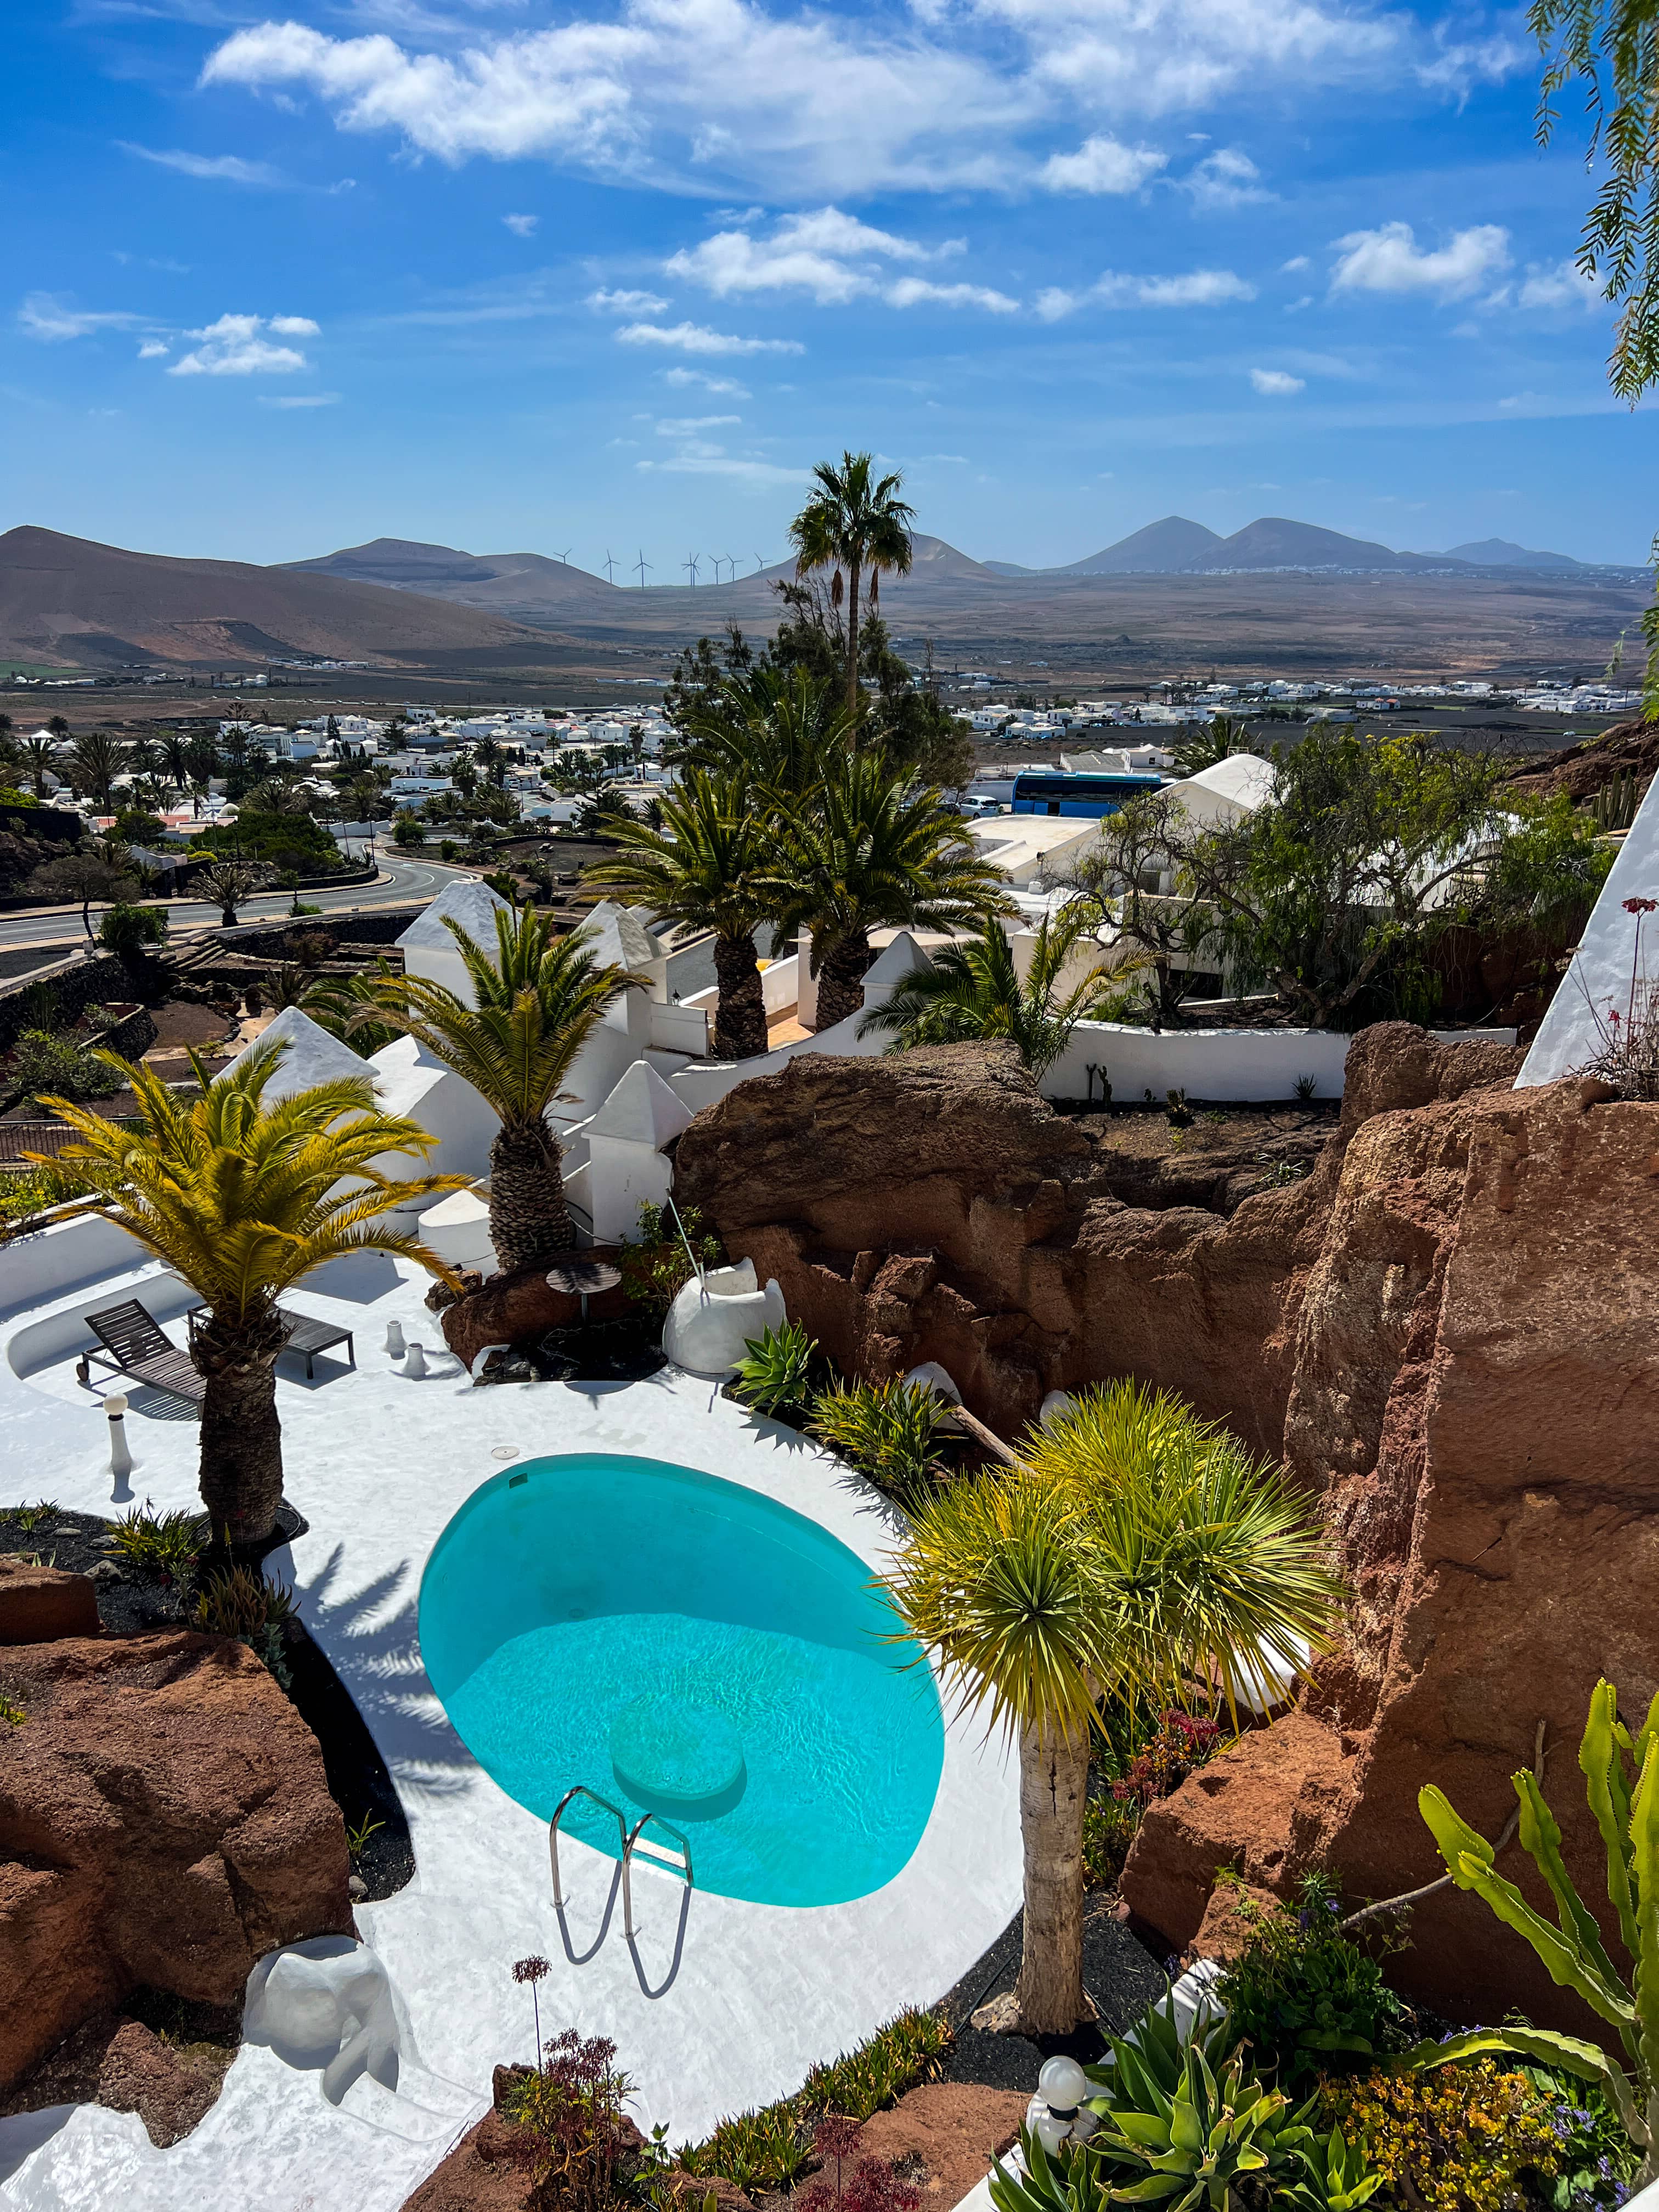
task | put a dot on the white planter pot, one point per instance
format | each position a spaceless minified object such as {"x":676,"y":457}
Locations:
{"x":710,"y":1321}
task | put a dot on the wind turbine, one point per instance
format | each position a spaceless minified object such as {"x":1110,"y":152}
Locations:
{"x":731,"y":562}
{"x":690,"y":562}
{"x":759,"y":562}
{"x":609,"y":567}
{"x":565,"y":556}
{"x":642,"y":564}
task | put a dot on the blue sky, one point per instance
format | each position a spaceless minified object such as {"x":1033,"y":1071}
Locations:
{"x":612,"y":275}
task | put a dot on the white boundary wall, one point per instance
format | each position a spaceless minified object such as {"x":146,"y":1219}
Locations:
{"x":1257,"y":1067}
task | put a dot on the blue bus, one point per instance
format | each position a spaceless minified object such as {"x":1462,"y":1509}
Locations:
{"x":1051,"y":791}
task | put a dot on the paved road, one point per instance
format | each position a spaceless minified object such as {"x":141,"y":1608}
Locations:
{"x":402,"y":882}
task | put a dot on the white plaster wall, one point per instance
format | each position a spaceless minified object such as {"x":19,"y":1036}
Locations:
{"x":623,"y":1175}
{"x":780,"y":982}
{"x":1257,"y":1066}
{"x":1600,"y":972}
{"x":684,"y":1028}
{"x":64,"y":1256}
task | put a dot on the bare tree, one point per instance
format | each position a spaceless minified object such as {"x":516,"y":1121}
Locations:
{"x":1136,"y":884}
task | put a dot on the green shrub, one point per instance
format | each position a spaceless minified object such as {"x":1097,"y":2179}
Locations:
{"x":164,"y":1544}
{"x":1304,"y":1997}
{"x":1598,"y":2159}
{"x":282,"y":841}
{"x":778,"y":1376}
{"x":11,"y":1713}
{"x":236,"y":1601}
{"x":1456,"y":2139}
{"x":48,"y":1066}
{"x":888,"y":1430}
{"x":770,"y":2150}
{"x":126,"y":930}
{"x":25,"y":1191}
{"x":654,"y":1265}
{"x":1109,"y":1829}
{"x":571,"y":2110}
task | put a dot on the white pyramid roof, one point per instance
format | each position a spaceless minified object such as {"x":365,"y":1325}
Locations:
{"x":313,"y":1055}
{"x":1245,"y":778}
{"x":902,"y":957}
{"x":641,"y":1109}
{"x":466,"y":901}
{"x":618,"y":937}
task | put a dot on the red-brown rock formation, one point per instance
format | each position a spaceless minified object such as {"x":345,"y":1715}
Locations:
{"x":1449,"y":1329}
{"x":38,"y":1604}
{"x":521,"y":1308}
{"x":164,"y":1820}
{"x":1475,"y":1389}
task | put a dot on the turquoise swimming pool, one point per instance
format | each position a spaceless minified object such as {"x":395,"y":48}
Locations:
{"x":685,"y":1645}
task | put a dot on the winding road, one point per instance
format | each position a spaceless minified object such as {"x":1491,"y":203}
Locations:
{"x":402,"y":882}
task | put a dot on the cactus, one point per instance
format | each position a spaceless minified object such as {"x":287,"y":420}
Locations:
{"x":1621,"y":1782}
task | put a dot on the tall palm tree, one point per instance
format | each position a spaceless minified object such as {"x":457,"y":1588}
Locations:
{"x":705,"y":866}
{"x":777,"y":727}
{"x":175,"y":759}
{"x":536,"y":1003}
{"x":872,"y":850}
{"x":39,"y":754}
{"x":973,"y":989}
{"x":244,"y":1199}
{"x":96,"y":759}
{"x":858,"y":521}
{"x":1135,"y":1554}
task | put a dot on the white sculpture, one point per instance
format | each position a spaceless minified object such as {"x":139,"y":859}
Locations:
{"x":711,"y":1321}
{"x":328,"y":2003}
{"x":930,"y":1375}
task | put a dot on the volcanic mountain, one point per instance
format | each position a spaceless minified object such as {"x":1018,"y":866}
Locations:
{"x":71,"y":598}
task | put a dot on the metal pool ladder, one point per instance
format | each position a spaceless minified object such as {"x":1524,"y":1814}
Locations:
{"x":653,"y":1853}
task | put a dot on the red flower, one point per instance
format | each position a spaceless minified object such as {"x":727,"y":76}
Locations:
{"x":1642,"y":906}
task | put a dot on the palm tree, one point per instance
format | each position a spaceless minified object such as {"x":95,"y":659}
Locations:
{"x":39,"y":754}
{"x":94,"y":766}
{"x":777,"y":727}
{"x":228,"y":881}
{"x":1134,"y":1554}
{"x":175,"y":759}
{"x":973,"y":989}
{"x":854,"y":522}
{"x":244,"y":1199}
{"x":873,"y":850}
{"x":705,"y":868}
{"x":536,"y":1003}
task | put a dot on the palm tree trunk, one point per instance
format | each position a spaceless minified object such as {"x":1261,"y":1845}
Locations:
{"x":1053,"y":1783}
{"x":529,"y":1218}
{"x":841,"y":979}
{"x":852,"y":635}
{"x":240,"y":1477}
{"x":741,"y":1010}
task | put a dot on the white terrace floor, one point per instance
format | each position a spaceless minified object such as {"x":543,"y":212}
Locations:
{"x":378,"y":1464}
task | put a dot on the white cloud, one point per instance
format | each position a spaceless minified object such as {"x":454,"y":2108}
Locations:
{"x":688,"y":426}
{"x":1198,"y":287}
{"x":236,"y":345}
{"x":1225,"y":178}
{"x":825,"y":252}
{"x":698,"y":458}
{"x":1054,"y":304}
{"x":50,"y":316}
{"x":1458,"y":65}
{"x":693,"y":337}
{"x":521,"y":226}
{"x":152,"y":349}
{"x":913,"y":291}
{"x":1548,"y":287}
{"x":301,"y":399}
{"x":1276,"y":384}
{"x":217,"y":169}
{"x":721,"y":386}
{"x":625,"y":303}
{"x":1389,"y":260}
{"x":777,"y":97}
{"x":1102,"y":164}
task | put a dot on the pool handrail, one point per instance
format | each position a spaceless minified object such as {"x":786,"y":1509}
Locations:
{"x":581,"y":1789}
{"x":631,"y":1842}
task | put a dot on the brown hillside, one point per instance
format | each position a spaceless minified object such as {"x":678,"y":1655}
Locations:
{"x":70,"y":599}
{"x":1581,"y":770}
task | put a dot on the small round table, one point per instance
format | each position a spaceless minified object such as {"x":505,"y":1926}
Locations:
{"x":582,"y":1278}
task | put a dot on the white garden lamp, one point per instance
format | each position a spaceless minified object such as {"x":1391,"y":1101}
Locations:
{"x":120,"y":1459}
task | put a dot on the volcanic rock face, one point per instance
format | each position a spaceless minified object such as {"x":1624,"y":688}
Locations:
{"x":164,"y":1819}
{"x":1450,"y":1331}
{"x":39,"y":1603}
{"x":1476,"y":1383}
{"x":931,"y":1206}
